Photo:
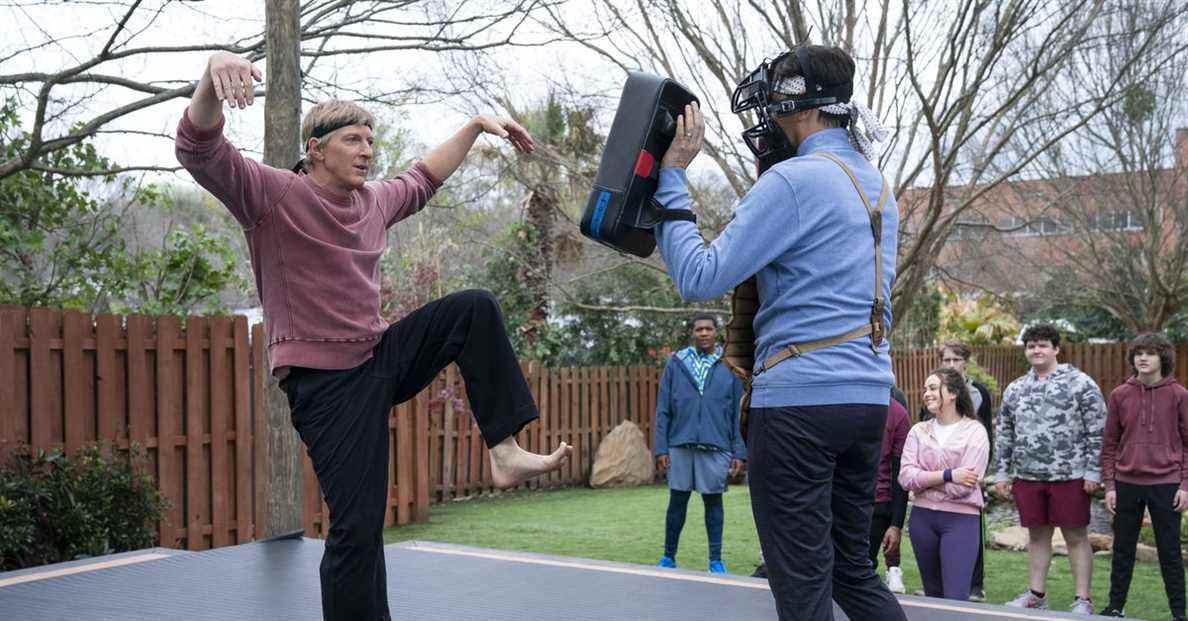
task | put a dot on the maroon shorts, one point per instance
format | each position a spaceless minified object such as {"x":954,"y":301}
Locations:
{"x":1055,"y":503}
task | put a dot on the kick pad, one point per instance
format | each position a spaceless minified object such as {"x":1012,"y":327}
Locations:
{"x":621,"y":211}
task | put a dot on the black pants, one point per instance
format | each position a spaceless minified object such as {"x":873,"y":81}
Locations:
{"x":978,"y":583}
{"x":342,"y":417}
{"x":880,"y":521}
{"x":1159,"y":500}
{"x":812,"y":493}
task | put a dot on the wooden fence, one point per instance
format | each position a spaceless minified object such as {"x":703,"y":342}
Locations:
{"x":180,"y":390}
{"x":190,"y":393}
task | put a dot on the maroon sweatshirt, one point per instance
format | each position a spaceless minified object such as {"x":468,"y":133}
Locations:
{"x":895,"y":433}
{"x":1146,"y":435}
{"x":315,"y":254}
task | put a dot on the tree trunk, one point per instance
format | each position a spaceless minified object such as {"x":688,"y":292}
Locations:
{"x":282,"y":148}
{"x":540,"y":214}
{"x":282,"y":103}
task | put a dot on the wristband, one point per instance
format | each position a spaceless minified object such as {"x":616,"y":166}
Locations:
{"x":948,"y":475}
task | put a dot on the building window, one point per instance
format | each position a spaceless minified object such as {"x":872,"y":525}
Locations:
{"x":1115,"y":220}
{"x":1014,"y":226}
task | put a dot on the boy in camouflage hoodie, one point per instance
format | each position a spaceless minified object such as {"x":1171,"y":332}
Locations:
{"x":1049,"y":434}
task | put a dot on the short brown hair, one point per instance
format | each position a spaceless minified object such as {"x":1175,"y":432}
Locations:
{"x":957,"y":347}
{"x":1042,"y":332}
{"x":330,"y":113}
{"x":1155,"y":343}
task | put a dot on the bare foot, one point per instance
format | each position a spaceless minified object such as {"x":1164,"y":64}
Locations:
{"x":512,"y":465}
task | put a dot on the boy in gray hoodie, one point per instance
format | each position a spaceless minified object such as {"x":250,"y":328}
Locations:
{"x":1048,"y":440}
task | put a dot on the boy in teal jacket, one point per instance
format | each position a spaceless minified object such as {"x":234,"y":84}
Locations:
{"x":697,"y":438}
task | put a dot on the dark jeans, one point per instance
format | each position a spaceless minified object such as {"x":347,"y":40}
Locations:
{"x":1165,"y":521}
{"x":946,"y":548}
{"x":879,"y":523}
{"x":674,"y":522}
{"x":342,"y":417}
{"x":812,"y":477}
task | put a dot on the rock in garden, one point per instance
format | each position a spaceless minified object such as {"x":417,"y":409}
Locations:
{"x":1144,"y":553}
{"x":1101,"y":542}
{"x":1012,"y":538}
{"x":623,"y":459}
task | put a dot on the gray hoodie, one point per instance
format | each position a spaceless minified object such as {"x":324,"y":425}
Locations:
{"x":1050,"y":430}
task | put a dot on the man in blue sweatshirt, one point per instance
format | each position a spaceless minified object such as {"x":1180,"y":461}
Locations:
{"x":697,"y":439}
{"x":810,"y":230}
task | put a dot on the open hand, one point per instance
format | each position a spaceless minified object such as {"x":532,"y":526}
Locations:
{"x":1111,"y":502}
{"x":507,"y":129}
{"x":1003,"y":489}
{"x":233,"y":79}
{"x":690,"y":130}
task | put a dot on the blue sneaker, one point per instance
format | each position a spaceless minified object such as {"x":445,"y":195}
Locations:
{"x":717,"y":567}
{"x":667,"y":561}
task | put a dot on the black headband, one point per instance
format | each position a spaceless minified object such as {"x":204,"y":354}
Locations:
{"x":322,"y":129}
{"x":319,"y":131}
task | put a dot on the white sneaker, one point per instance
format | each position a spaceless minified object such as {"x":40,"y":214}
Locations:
{"x":895,"y":580}
{"x":1081,"y":607}
{"x":1028,"y":600}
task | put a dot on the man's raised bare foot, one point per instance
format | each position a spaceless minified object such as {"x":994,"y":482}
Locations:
{"x":512,"y":465}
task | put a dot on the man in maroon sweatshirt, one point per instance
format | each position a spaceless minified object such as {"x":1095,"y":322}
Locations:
{"x":886,"y":524}
{"x":1144,"y":466}
{"x":316,"y":235}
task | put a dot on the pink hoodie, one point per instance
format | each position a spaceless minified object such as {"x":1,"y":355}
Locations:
{"x":967,"y":447}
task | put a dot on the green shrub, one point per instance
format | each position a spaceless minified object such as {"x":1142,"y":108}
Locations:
{"x":56,"y":508}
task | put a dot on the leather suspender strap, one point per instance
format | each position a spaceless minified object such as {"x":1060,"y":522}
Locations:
{"x":875,"y":327}
{"x":797,"y":349}
{"x":878,"y":330}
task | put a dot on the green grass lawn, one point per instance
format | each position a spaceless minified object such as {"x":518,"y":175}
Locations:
{"x":627,"y":525}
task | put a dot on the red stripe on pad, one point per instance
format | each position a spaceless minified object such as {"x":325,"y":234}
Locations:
{"x":644,"y":164}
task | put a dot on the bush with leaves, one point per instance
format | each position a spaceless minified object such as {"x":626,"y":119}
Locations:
{"x":55,"y":508}
{"x":976,"y":320}
{"x":64,"y":239}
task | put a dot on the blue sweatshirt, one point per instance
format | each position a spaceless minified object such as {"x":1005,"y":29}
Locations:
{"x":686,"y":416}
{"x":803,"y":230}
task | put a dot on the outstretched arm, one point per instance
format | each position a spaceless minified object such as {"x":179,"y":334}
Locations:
{"x":247,"y":188}
{"x":227,"y":77}
{"x":443,"y":160}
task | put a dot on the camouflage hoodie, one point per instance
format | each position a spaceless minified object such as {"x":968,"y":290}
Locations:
{"x":1050,"y":430}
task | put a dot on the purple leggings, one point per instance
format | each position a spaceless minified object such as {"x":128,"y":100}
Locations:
{"x":946,"y":546}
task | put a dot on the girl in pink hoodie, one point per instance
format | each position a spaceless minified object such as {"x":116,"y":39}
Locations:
{"x":1144,"y":466}
{"x":943,"y":462}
